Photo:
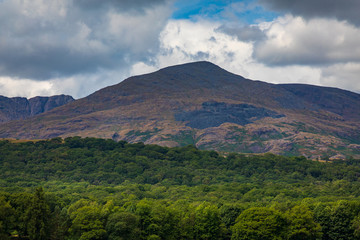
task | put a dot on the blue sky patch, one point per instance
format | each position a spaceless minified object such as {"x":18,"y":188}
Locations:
{"x":246,"y":11}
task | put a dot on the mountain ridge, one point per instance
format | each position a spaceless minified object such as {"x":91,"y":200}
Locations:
{"x":244,"y":115}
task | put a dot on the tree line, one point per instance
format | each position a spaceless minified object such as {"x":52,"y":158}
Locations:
{"x":88,"y":188}
{"x":40,"y":216}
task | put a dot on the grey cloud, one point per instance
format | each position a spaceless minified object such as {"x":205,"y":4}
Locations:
{"x":201,"y":55}
{"x":243,"y":33}
{"x":121,"y":5}
{"x":45,"y":63}
{"x":342,"y":10}
{"x":45,"y":39}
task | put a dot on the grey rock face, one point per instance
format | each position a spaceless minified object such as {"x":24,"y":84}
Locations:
{"x":213,"y":114}
{"x":43,"y":104}
{"x":20,"y":108}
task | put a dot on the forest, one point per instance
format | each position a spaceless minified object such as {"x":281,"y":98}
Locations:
{"x":89,"y":188}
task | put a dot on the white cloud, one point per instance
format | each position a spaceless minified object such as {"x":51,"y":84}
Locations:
{"x":295,"y":41}
{"x":84,"y":84}
{"x":77,"y":86}
{"x":346,"y":76}
{"x":137,"y":33}
{"x":142,"y":68}
{"x":185,"y":41}
{"x":25,"y":87}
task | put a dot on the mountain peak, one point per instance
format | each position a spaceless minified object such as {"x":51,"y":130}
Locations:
{"x":194,"y":69}
{"x":200,"y":65}
{"x":177,"y":78}
{"x":183,"y":77}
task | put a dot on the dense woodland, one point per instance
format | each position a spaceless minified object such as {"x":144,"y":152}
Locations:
{"x":87,"y":188}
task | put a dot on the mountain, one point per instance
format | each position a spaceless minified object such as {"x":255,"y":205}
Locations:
{"x":200,"y":103}
{"x":22,"y":108}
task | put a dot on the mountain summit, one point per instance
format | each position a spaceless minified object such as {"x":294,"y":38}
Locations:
{"x":202,"y":104}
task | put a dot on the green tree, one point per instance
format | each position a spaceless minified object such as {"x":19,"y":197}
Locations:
{"x":343,"y":214}
{"x":259,"y":223}
{"x":337,"y":219}
{"x":123,"y":226}
{"x":167,"y":221}
{"x":229,"y":214}
{"x":21,"y":202}
{"x":6,"y":218}
{"x":143,"y":210}
{"x":59,"y":224}
{"x":87,"y":222}
{"x":322,"y":215}
{"x":356,"y":226}
{"x":301,"y":224}
{"x":38,"y":216}
{"x":207,"y":222}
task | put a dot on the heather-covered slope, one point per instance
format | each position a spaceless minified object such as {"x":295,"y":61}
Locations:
{"x":200,"y":103}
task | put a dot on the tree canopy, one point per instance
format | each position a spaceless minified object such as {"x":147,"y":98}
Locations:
{"x":87,"y":188}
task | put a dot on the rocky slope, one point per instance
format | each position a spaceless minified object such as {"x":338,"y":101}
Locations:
{"x":22,"y":108}
{"x":200,"y":103}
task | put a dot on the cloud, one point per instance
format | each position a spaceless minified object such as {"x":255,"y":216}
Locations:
{"x":344,"y":76}
{"x":342,"y":10}
{"x":15,"y":88}
{"x":78,"y":86}
{"x":42,"y":40}
{"x":77,"y":47}
{"x":82,"y":85}
{"x":120,"y":5}
{"x":186,"y":41}
{"x":296,"y":41}
{"x":245,"y":33}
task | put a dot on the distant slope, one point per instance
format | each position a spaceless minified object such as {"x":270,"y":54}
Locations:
{"x":22,"y":108}
{"x":341,"y":102}
{"x":202,"y":104}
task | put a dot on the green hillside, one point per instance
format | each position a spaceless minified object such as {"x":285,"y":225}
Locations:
{"x":88,"y":188}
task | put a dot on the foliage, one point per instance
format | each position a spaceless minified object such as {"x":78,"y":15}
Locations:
{"x":259,"y":223}
{"x":88,"y":188}
{"x":301,"y":224}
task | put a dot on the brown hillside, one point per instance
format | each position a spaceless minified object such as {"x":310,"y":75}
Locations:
{"x":200,"y":103}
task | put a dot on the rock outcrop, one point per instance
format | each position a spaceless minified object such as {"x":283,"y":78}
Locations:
{"x":17,"y":108}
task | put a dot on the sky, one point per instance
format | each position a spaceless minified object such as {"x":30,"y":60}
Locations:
{"x":76,"y":47}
